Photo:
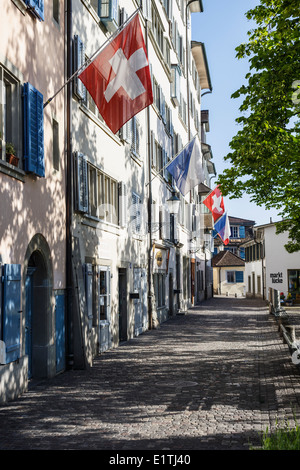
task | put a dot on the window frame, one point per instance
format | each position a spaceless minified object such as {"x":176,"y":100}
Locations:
{"x":7,"y":76}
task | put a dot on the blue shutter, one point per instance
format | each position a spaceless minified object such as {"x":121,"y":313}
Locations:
{"x":60,"y":331}
{"x":33,"y":131}
{"x":242,"y":232}
{"x":11,"y":310}
{"x":239,"y":276}
{"x":37,"y":8}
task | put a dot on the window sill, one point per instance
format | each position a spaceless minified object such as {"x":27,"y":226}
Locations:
{"x":97,"y":223}
{"x":12,"y":171}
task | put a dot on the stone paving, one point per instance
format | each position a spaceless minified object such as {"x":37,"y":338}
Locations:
{"x":213,"y":379}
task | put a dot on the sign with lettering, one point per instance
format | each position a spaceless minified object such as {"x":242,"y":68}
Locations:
{"x":276,"y":277}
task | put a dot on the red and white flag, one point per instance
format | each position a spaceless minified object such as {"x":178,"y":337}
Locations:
{"x":215,"y":203}
{"x":118,"y":79}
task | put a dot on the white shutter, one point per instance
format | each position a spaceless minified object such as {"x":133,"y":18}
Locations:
{"x":82,"y":183}
{"x":122,"y":204}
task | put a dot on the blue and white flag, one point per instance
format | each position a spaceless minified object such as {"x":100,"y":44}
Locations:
{"x":222,"y":226}
{"x":186,"y":167}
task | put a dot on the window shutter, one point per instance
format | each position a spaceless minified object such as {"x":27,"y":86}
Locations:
{"x":37,"y":8}
{"x":33,"y":131}
{"x":89,"y":292}
{"x":239,"y":276}
{"x":136,"y":213}
{"x":82,"y":183}
{"x":153,"y":149}
{"x":78,"y":60}
{"x":11,"y":310}
{"x":164,"y":219}
{"x":147,"y":10}
{"x":122,"y":204}
{"x":242,"y":232}
{"x":135,"y":136}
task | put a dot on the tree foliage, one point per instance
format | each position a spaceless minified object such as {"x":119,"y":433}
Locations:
{"x":265,"y":152}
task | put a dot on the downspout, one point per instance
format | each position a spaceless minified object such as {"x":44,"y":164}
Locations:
{"x":150,"y":280}
{"x":69,"y":195}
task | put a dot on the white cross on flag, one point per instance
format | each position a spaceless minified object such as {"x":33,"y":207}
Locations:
{"x":118,"y":79}
{"x":215,"y":203}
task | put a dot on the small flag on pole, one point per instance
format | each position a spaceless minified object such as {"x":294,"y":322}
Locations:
{"x":118,"y":79}
{"x":222,"y":226}
{"x":186,"y":167}
{"x":215,"y":203}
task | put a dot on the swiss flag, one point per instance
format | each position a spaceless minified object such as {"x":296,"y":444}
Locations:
{"x":118,"y":79}
{"x":215,"y":203}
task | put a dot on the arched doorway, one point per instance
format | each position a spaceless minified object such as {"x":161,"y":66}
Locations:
{"x":39,"y":316}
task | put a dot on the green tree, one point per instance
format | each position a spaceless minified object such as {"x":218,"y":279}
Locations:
{"x":264,"y":157}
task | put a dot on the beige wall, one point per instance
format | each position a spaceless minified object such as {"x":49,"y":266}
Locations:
{"x":30,"y":205}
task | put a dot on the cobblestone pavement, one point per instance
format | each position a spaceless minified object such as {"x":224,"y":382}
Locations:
{"x":212,"y":379}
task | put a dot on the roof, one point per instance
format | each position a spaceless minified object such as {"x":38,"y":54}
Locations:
{"x":199,"y":54}
{"x":226,"y":258}
{"x":239,"y":221}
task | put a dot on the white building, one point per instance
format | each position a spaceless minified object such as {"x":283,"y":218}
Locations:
{"x":133,"y":267}
{"x":269,"y":265}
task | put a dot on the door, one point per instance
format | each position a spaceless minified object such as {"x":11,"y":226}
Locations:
{"x":122,"y":305}
{"x":104,"y":308}
{"x":137,"y":284}
{"x":193,"y":268}
{"x":171,"y":294}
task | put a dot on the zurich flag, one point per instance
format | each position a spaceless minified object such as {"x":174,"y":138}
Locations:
{"x":186,"y":167}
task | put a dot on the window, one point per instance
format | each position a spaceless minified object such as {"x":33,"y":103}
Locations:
{"x":107,"y":197}
{"x":157,"y":29}
{"x":104,"y":293}
{"x":10,"y":115}
{"x":56,"y":10}
{"x":96,"y":194}
{"x":55,"y":145}
{"x":234,"y":277}
{"x":108,"y":11}
{"x":234,"y":231}
{"x":159,"y":289}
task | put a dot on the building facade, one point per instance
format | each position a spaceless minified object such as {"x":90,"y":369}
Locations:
{"x":33,"y":215}
{"x":141,"y":263}
{"x":228,"y":274}
{"x":91,"y":254}
{"x":241,"y":230}
{"x":264,"y":270}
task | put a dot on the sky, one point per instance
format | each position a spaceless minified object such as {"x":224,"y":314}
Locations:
{"x":222,"y":27}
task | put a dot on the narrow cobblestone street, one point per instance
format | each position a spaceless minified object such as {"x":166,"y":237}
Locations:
{"x":212,"y":379}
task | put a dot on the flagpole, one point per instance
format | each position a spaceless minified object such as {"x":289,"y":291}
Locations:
{"x":90,"y":59}
{"x":169,"y":163}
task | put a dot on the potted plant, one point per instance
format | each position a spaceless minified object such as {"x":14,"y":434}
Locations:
{"x":10,"y":154}
{"x":282,"y":297}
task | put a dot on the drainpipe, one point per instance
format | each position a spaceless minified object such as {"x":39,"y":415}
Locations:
{"x":150,"y":280}
{"x":69,"y":193}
